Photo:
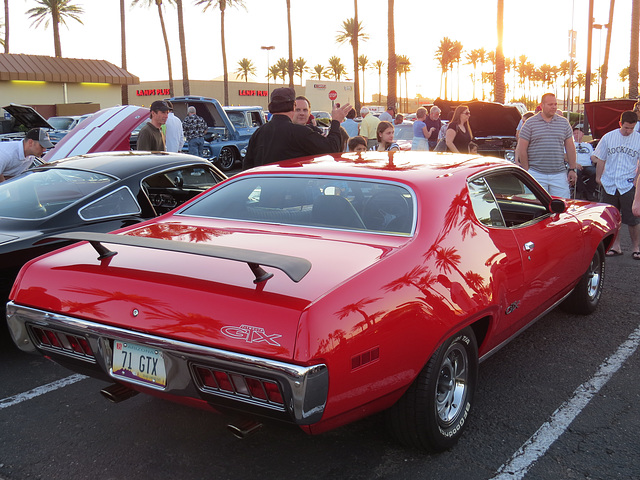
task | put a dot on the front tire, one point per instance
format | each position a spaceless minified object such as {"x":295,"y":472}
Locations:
{"x":432,"y":413}
{"x":586,"y":295}
{"x":227,"y":158}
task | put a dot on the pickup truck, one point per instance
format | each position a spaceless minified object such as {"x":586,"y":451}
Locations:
{"x":230,"y":128}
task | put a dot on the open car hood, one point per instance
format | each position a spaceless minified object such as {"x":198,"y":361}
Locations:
{"x":105,"y":131}
{"x":488,"y":119}
{"x":604,"y":115}
{"x":26,"y":116}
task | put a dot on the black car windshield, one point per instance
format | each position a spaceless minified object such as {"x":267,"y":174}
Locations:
{"x":40,"y":193}
{"x":328,"y":202}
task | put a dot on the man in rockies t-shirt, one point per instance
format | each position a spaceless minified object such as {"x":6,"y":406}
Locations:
{"x":617,"y":156}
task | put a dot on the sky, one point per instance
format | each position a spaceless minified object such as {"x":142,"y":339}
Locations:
{"x":537,"y":29}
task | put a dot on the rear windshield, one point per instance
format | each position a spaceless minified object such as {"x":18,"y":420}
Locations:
{"x":338,"y":203}
{"x":40,"y":193}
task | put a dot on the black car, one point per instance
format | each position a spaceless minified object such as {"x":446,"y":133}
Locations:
{"x":97,"y":192}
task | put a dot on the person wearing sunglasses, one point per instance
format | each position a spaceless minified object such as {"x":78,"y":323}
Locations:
{"x":459,"y":132}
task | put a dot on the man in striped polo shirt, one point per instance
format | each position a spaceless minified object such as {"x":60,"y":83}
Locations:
{"x":617,"y":156}
{"x":542,"y":144}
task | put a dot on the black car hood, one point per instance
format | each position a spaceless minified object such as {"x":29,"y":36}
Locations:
{"x":488,"y":119}
{"x":26,"y":116}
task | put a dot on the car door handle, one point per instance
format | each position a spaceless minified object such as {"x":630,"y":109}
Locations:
{"x":528,"y":246}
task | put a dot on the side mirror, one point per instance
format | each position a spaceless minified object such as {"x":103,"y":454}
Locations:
{"x":557,"y":206}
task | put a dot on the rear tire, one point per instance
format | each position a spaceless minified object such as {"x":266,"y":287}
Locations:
{"x":432,"y":413}
{"x":586,"y":295}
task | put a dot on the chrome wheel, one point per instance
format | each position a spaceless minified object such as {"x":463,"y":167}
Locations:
{"x":594,"y":278}
{"x":451,"y":390}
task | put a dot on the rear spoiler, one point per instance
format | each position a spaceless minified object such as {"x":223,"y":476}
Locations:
{"x":294,"y":267}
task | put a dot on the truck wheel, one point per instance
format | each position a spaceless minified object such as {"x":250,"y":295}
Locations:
{"x":432,"y":413}
{"x":227,"y":158}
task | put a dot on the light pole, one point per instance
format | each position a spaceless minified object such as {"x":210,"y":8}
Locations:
{"x":599,"y":27}
{"x":270,"y":47}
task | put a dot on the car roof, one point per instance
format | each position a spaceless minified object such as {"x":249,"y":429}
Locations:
{"x":125,"y":164}
{"x":406,"y":167}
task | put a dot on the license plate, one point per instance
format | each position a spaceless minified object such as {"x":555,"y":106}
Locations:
{"x":139,"y":363}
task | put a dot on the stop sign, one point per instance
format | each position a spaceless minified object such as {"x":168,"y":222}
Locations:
{"x":333,"y":95}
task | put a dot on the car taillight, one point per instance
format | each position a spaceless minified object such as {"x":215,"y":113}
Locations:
{"x":61,"y":342}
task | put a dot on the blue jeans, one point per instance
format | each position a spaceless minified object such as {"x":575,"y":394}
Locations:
{"x":196,"y":145}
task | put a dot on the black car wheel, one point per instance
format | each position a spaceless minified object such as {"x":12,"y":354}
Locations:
{"x":227,"y":158}
{"x":432,"y":413}
{"x":586,"y":295}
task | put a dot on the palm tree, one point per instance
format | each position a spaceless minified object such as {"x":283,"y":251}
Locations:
{"x":337,"y":68}
{"x":483,"y":58}
{"x":624,"y":75}
{"x":274,"y":72}
{"x":58,"y":11}
{"x":186,"y":90}
{"x":378,"y":64}
{"x":320,"y":71}
{"x":499,"y":86}
{"x":565,"y":68}
{"x":633,"y":50}
{"x":351,"y":33}
{"x":283,"y":68}
{"x":300,"y":67}
{"x":391,"y":65}
{"x":363,"y":61}
{"x":404,"y":66}
{"x":5,"y":42}
{"x":443,"y":56}
{"x":246,"y":68}
{"x":290,"y":61}
{"x":124,"y":91}
{"x":607,"y":49}
{"x":222,"y":5}
{"x":158,"y":3}
{"x":456,"y":56}
{"x":473,"y":57}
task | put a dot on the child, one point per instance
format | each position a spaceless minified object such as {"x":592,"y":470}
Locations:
{"x":357,"y":144}
{"x":384,"y":133}
{"x":473,"y":148}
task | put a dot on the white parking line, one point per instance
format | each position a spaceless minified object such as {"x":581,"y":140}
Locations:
{"x":539,"y":443}
{"x":50,"y":387}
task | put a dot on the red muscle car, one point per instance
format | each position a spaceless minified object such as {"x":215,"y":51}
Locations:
{"x":321,"y":290}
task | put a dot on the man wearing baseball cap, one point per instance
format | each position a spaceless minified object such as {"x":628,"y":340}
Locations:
{"x":16,"y":157}
{"x":281,"y":139}
{"x":151,"y":137}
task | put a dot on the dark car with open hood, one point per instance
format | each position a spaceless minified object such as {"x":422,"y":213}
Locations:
{"x":493,"y":125}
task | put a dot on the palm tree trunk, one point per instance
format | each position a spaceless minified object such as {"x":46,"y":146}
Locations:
{"x":499,"y":86}
{"x":605,"y":66}
{"x":6,"y":26}
{"x":123,"y":44}
{"x":166,"y":46}
{"x":224,"y":55}
{"x":392,"y":64}
{"x":633,"y":54}
{"x":354,"y":43}
{"x":183,"y":51}
{"x":56,"y":32}
{"x":290,"y":65}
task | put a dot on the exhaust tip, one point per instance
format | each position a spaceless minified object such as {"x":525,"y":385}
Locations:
{"x":244,"y":429}
{"x":117,"y":393}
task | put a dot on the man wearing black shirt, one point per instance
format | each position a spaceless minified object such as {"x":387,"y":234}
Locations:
{"x":281,"y":139}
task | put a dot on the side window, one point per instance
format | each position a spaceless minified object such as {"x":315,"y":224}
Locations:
{"x":484,"y":204}
{"x":119,"y":202}
{"x":503,"y":199}
{"x":256,"y":121}
{"x":172,"y":188}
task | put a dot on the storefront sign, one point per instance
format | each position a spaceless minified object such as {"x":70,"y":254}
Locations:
{"x":153,"y":91}
{"x":321,"y":86}
{"x":253,"y":93}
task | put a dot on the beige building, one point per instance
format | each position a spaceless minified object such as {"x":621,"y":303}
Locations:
{"x":241,"y":92}
{"x":61,"y":86}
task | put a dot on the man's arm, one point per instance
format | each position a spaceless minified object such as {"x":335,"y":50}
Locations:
{"x":570,"y":149}
{"x":522,"y":154}
{"x":144,"y":140}
{"x":599,"y":168}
